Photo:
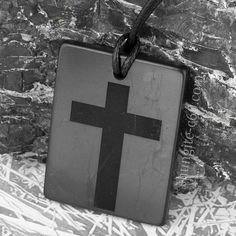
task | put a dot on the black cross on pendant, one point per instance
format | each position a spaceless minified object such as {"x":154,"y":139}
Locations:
{"x":115,"y":122}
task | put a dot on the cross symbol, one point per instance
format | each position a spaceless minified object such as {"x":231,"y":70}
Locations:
{"x":115,"y":122}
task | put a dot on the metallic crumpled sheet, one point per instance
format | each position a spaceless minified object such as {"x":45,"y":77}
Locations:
{"x":198,"y":34}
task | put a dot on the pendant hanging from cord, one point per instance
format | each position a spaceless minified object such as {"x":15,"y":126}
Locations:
{"x":130,"y":41}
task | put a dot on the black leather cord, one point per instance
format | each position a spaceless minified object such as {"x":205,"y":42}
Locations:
{"x":130,"y":42}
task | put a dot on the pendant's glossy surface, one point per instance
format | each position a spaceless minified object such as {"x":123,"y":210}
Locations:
{"x":113,"y":143}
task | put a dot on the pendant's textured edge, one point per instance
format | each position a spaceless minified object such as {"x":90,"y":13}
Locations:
{"x":141,"y":55}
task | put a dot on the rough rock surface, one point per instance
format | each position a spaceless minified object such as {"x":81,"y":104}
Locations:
{"x":199,"y":34}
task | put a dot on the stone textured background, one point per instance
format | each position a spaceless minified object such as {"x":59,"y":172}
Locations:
{"x":200,"y":34}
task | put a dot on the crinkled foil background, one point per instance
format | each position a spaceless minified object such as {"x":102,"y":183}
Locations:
{"x":200,"y":34}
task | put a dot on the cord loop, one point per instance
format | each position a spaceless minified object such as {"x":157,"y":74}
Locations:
{"x":130,"y":42}
{"x":120,"y":69}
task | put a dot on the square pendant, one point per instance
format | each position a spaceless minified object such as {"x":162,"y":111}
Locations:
{"x":113,"y":143}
